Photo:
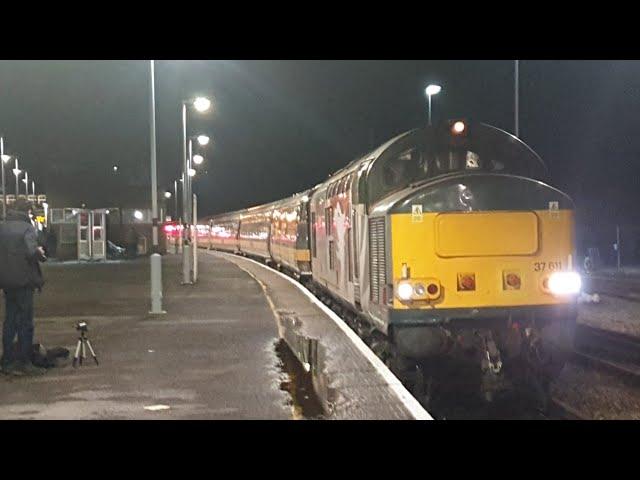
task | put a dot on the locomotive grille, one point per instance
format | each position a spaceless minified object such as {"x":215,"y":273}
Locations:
{"x":377,"y":259}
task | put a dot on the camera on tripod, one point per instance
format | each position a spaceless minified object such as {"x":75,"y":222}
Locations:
{"x":83,"y":342}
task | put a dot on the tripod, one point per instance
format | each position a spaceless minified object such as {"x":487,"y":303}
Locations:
{"x":82,"y":342}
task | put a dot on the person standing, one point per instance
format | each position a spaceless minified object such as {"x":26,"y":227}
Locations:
{"x":20,"y":275}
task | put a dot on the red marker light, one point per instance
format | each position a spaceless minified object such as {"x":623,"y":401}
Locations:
{"x":466,"y":281}
{"x":513,"y":281}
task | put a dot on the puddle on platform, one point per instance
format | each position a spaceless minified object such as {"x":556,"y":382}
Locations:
{"x":298,"y":384}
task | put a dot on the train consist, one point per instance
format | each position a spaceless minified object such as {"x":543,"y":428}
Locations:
{"x":445,"y":241}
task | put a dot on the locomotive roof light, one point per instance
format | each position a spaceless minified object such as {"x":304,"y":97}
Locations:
{"x":458,"y":127}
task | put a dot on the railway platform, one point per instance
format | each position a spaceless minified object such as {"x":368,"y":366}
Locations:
{"x":212,"y":356}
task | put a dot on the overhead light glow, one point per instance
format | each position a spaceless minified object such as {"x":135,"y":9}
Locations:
{"x":202,"y":104}
{"x":138,"y":215}
{"x":433,"y":90}
{"x":198,"y":159}
{"x":17,"y":171}
{"x":203,"y":140}
{"x":167,"y":194}
{"x":192,"y":172}
{"x":6,"y":158}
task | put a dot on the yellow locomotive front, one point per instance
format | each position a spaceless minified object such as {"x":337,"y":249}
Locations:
{"x":479,"y":253}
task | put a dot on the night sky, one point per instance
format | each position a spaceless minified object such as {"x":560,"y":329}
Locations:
{"x":281,"y":126}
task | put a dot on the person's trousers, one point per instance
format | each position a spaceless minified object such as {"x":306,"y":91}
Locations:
{"x":18,"y":321}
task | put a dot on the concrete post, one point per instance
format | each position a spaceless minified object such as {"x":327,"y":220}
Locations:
{"x":186,"y":266}
{"x":156,"y":284}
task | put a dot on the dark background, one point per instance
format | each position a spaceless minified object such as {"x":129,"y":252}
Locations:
{"x":283,"y":126}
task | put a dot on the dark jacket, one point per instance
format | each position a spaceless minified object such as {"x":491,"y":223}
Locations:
{"x":19,"y":257}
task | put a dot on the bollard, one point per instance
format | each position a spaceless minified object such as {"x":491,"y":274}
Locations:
{"x":156,"y":284}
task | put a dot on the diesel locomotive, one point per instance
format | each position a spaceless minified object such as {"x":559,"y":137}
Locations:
{"x":446,"y":241}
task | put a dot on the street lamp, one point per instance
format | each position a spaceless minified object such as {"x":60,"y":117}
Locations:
{"x":192,"y":172}
{"x":430,"y":91}
{"x":167,"y":194}
{"x":201,"y":104}
{"x":26,"y":183}
{"x":16,"y":172}
{"x":203,"y":140}
{"x":3,"y":159}
{"x":198,"y":159}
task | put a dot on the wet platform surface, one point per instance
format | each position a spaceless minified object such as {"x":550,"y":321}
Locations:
{"x":351,"y":381}
{"x":212,"y":356}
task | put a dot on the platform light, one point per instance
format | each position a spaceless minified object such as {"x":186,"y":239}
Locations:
{"x":202,"y":104}
{"x":564,"y":283}
{"x":203,"y":140}
{"x":138,"y":215}
{"x":430,"y":91}
{"x":198,"y":159}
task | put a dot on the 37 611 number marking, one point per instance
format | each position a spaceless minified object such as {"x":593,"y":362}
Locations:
{"x":551,"y":266}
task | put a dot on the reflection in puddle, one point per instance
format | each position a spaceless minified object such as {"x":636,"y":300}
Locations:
{"x":298,"y":384}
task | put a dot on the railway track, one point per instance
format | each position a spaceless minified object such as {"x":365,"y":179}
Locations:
{"x":619,"y":287}
{"x":611,"y":352}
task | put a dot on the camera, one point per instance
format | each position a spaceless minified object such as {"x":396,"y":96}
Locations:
{"x":82,"y":327}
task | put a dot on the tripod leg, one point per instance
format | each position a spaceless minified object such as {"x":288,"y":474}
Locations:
{"x":75,"y":357}
{"x":84,"y":353}
{"x":93,"y":354}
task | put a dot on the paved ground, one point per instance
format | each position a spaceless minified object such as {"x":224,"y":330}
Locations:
{"x":211,"y":357}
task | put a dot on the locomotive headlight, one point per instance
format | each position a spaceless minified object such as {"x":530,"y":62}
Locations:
{"x":405,"y":291}
{"x":419,"y":289}
{"x":564,"y":283}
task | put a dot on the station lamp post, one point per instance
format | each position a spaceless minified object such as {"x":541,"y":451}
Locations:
{"x":26,"y":183}
{"x":202,"y":105}
{"x":16,"y":172}
{"x":3,"y":159}
{"x":430,"y":91}
{"x":156,"y":259}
